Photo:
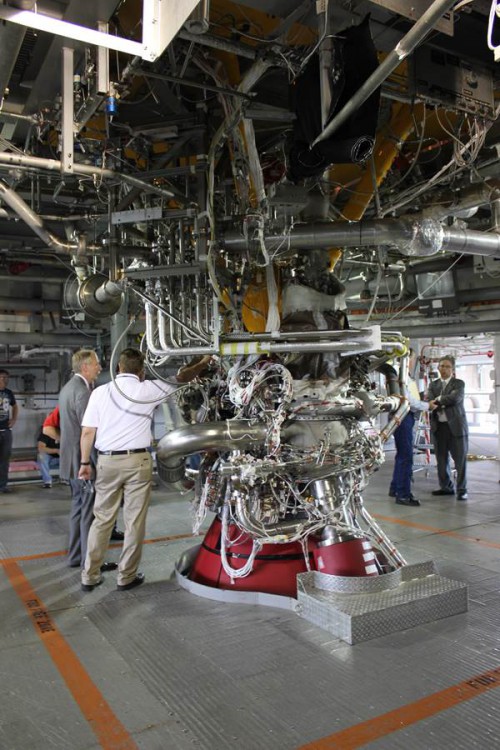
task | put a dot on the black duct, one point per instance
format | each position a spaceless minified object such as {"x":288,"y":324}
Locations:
{"x":354,"y":60}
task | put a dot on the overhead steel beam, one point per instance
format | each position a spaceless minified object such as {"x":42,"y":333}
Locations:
{"x":161,"y":20}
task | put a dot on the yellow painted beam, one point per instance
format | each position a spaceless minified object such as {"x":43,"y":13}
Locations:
{"x":387,"y":148}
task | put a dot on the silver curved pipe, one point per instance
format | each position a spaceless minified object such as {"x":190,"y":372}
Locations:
{"x":228,"y":435}
{"x":12,"y":199}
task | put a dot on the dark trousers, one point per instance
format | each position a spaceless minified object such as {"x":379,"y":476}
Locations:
{"x":5,"y":451}
{"x":80,"y":520}
{"x":445,"y":445}
{"x":403,"y":463}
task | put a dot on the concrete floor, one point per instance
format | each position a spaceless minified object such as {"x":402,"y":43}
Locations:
{"x":157,"y":668}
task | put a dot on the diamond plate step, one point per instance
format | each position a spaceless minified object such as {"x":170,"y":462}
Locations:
{"x":359,"y":609}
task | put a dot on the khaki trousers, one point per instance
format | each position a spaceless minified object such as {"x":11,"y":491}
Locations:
{"x":117,"y":477}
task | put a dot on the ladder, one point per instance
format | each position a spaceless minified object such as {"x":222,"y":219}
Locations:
{"x":422,"y":444}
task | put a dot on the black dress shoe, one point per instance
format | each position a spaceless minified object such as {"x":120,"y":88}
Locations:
{"x":91,"y":586}
{"x":408,"y":501}
{"x":117,"y":535}
{"x":107,"y":566}
{"x":140,"y":577}
{"x":462,"y":496}
{"x":391,"y":493}
{"x":443,"y":492}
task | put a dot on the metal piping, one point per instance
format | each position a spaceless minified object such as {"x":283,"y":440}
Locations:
{"x":464,"y":296}
{"x":438,"y":329}
{"x":407,"y":44}
{"x":228,"y":435}
{"x":471,"y":242}
{"x":43,"y":351}
{"x":34,"y":222}
{"x":444,"y":204}
{"x":413,"y":236}
{"x":109,"y":292}
{"x":495,"y":214}
{"x":36,"y":162}
{"x":207,"y":40}
{"x":192,"y":84}
{"x":32,"y":119}
{"x":239,"y":434}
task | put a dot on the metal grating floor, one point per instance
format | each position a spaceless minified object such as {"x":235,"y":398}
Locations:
{"x":157,"y":668}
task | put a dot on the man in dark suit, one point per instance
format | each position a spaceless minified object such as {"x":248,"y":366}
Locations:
{"x":450,"y":434}
{"x":73,"y":401}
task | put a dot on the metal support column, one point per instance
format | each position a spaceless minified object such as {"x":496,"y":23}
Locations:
{"x":67,"y":141}
{"x":496,"y":348}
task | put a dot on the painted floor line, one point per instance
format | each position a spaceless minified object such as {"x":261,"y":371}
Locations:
{"x":108,"y":729}
{"x":380,"y":726}
{"x":62,"y":552}
{"x":435,"y":530}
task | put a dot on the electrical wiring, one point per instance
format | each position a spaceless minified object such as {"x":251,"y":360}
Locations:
{"x":306,"y":59}
{"x":441,"y":175}
{"x":473,"y":146}
{"x":246,"y":569}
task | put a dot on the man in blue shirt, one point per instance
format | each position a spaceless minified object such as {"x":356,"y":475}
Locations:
{"x":403,"y":463}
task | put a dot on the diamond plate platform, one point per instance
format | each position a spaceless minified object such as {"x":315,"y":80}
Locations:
{"x":359,"y":609}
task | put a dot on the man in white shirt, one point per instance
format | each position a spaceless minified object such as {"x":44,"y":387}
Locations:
{"x":118,"y":420}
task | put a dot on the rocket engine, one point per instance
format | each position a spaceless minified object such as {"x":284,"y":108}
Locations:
{"x":283,"y":461}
